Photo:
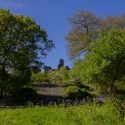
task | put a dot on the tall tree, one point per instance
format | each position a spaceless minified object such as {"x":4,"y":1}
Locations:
{"x":85,"y":26}
{"x":22,"y":42}
{"x":105,"y":63}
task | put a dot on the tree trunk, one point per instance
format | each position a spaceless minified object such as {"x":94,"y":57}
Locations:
{"x":119,"y":108}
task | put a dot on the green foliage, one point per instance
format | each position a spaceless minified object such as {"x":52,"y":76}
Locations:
{"x":60,"y":76}
{"x":64,"y":73}
{"x":73,"y":92}
{"x":105,"y":63}
{"x":66,"y":82}
{"x":85,"y":26}
{"x":4,"y":86}
{"x":21,"y":39}
{"x":55,"y":76}
{"x":73,"y":115}
{"x":16,"y":80}
{"x":40,"y":78}
{"x":104,"y":66}
{"x":20,"y":78}
{"x":75,"y":73}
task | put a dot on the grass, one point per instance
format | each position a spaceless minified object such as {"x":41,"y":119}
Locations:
{"x":87,"y":114}
{"x":63,"y":114}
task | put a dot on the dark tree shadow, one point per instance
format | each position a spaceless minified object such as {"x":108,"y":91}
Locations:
{"x":48,"y":94}
{"x":47,"y":99}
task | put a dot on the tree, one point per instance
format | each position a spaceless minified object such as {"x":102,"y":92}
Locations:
{"x":64,"y":73}
{"x":117,"y":21}
{"x":85,"y":26}
{"x":55,"y":76}
{"x":105,"y":64}
{"x":18,"y":79}
{"x":75,"y":72}
{"x":65,"y":78}
{"x":22,"y":43}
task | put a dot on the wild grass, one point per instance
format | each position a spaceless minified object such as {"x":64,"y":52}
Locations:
{"x":84,"y":114}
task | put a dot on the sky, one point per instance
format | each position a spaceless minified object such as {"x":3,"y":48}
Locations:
{"x":52,"y":15}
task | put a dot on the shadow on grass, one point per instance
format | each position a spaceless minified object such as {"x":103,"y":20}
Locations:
{"x":46,"y":100}
{"x":48,"y":93}
{"x":41,"y":99}
{"x":52,"y":93}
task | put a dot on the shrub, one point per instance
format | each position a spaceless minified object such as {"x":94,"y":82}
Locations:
{"x":66,"y":82}
{"x":46,"y":80}
{"x":41,"y":77}
{"x":73,"y":92}
{"x":81,"y":85}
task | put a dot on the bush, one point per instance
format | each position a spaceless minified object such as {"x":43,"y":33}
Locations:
{"x":66,"y":83}
{"x":46,"y":80}
{"x":41,"y":77}
{"x":81,"y":85}
{"x":73,"y":92}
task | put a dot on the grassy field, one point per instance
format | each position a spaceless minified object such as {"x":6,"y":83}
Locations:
{"x":63,"y":114}
{"x":54,"y":115}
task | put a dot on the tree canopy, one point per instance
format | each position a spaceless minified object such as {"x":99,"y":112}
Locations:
{"x":85,"y":27}
{"x":105,"y":63}
{"x":22,"y":42}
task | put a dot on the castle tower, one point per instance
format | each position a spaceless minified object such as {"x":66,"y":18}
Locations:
{"x":61,"y":63}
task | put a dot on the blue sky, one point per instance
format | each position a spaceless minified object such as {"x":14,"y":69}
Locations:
{"x":52,"y":15}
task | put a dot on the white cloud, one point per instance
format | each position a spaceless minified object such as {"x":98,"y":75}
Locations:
{"x":8,"y":4}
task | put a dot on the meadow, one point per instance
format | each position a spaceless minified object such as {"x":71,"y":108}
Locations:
{"x":83,"y":114}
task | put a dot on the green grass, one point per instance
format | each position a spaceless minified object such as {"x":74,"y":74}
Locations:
{"x":73,"y":115}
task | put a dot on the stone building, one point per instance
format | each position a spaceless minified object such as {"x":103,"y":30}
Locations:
{"x":47,"y":68}
{"x":61,"y":63}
